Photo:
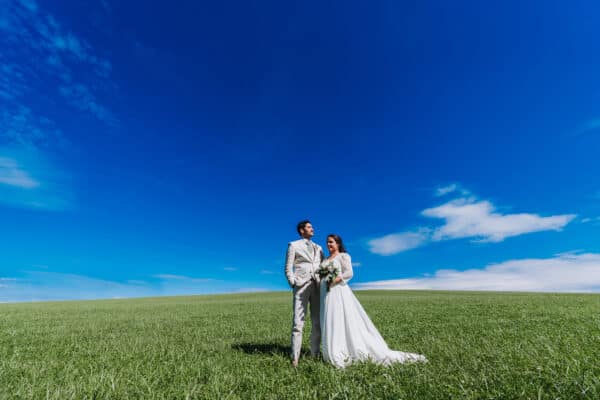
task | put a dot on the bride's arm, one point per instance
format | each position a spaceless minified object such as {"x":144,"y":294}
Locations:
{"x":347,"y":272}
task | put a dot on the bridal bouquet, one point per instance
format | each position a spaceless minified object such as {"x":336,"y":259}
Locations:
{"x":328,"y":272}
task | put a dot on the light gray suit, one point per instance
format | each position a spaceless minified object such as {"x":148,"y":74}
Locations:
{"x":301,"y":265}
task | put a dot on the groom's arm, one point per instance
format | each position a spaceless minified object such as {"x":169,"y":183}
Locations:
{"x":289,"y":265}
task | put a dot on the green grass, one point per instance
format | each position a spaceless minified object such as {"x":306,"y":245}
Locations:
{"x":479,"y":346}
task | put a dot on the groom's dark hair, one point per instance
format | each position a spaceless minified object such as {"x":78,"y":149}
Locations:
{"x":301,"y":225}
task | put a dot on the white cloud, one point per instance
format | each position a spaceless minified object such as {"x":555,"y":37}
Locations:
{"x":230,"y":269}
{"x":11,"y":174}
{"x":566,"y":272}
{"x":356,"y":264}
{"x":477,"y":219}
{"x":181,"y":278}
{"x":398,"y":242}
{"x":442,"y":191}
{"x":468,"y":217}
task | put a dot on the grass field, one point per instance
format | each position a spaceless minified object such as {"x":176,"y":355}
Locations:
{"x":479,"y":346}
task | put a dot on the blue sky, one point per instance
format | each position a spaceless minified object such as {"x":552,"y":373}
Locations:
{"x":147,"y":149}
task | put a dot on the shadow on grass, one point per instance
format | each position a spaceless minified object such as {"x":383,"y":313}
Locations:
{"x":264,"y":348}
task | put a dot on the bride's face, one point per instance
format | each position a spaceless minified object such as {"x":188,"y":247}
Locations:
{"x":332,"y":246}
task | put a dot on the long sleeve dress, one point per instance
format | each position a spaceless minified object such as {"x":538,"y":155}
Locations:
{"x":347,"y":333}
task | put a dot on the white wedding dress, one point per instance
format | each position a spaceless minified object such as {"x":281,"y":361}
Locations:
{"x":347,"y":333}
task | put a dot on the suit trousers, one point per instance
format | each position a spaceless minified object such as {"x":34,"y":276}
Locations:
{"x":308,"y":293}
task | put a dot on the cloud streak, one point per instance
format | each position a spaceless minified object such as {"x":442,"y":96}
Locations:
{"x":467,"y":217}
{"x":29,"y":179}
{"x":48,"y":285}
{"x":44,"y":286}
{"x":20,"y":126}
{"x":171,"y":277}
{"x":398,"y":242}
{"x":42,"y":57}
{"x":562,"y":273}
{"x":11,"y":174}
{"x":592,"y":125}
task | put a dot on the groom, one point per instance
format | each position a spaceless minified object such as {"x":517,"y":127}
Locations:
{"x":301,"y":265}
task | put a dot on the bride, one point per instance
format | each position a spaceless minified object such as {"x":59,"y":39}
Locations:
{"x":347,"y":333}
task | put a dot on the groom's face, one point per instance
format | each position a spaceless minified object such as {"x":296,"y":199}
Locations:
{"x":308,"y":231}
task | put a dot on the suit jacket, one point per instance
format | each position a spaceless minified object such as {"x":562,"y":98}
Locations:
{"x":301,"y":264}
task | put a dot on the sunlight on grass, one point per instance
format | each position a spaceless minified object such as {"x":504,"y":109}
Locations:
{"x":479,"y":346}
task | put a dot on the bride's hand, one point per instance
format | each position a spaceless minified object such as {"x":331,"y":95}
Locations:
{"x":335,"y":282}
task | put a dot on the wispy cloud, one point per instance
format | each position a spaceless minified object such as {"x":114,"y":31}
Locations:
{"x":44,"y":58}
{"x":590,"y":219}
{"x":451,"y":188}
{"x":136,"y":282}
{"x":12,"y":81}
{"x":171,"y":277}
{"x":561,"y":273}
{"x":30,"y":179}
{"x":40,"y":34}
{"x":81,"y":97}
{"x":267,"y":272}
{"x":467,"y":217}
{"x":42,"y":285}
{"x":20,"y":126}
{"x":592,"y":125}
{"x":48,"y":285}
{"x":398,"y":242}
{"x":230,"y":269}
{"x":442,"y":191}
{"x":11,"y":174}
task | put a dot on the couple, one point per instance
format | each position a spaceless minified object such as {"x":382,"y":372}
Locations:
{"x":347,"y":332}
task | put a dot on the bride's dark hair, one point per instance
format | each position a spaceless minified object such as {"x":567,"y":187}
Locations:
{"x":339,"y":242}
